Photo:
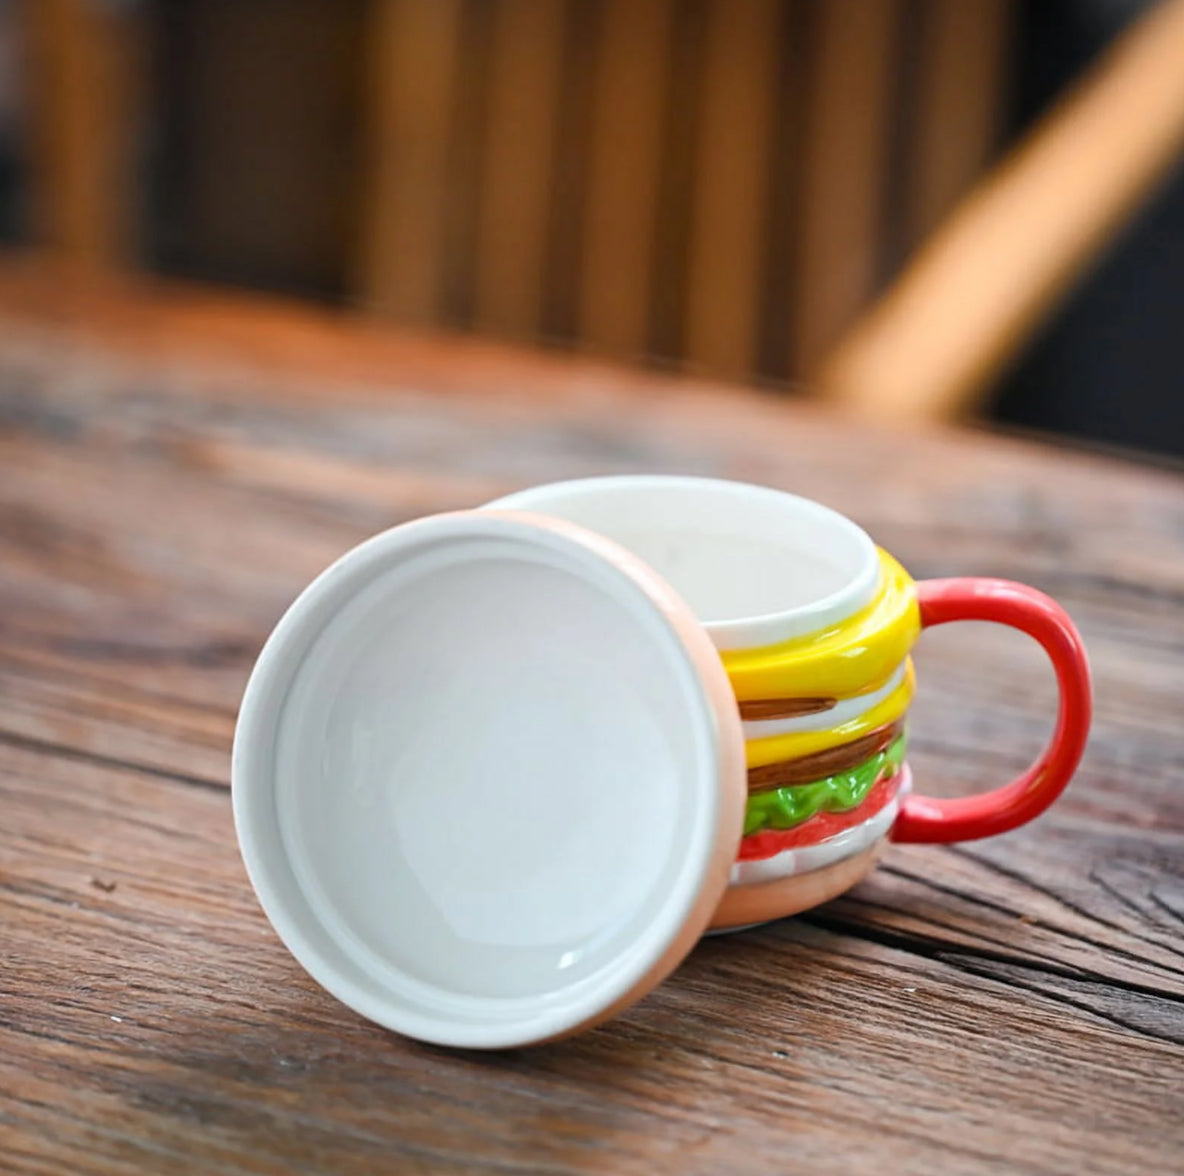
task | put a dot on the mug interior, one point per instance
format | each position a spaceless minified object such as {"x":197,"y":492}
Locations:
{"x":738,"y":554}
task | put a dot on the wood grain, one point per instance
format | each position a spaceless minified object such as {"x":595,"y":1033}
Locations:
{"x":836,"y":238}
{"x":521,"y":123}
{"x":173,"y":469}
{"x":733,"y":167}
{"x":630,"y":91}
{"x":84,"y":66}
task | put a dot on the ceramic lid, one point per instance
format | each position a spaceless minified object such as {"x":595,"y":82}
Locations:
{"x":488,"y":779}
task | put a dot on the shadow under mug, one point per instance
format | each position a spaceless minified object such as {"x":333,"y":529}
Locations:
{"x":814,"y":625}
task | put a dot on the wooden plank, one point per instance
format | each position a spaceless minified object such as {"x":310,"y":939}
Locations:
{"x":625,"y":147}
{"x":572,"y":157}
{"x":83,"y":63}
{"x":780,"y":279}
{"x":174,"y":466}
{"x":672,"y":234}
{"x":411,"y":72}
{"x":959,"y":104}
{"x":843,"y":172}
{"x":1002,"y":261}
{"x":732,"y":186}
{"x":119,"y":1069}
{"x":521,"y":120}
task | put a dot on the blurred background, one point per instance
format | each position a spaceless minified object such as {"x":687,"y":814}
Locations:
{"x":923,"y":208}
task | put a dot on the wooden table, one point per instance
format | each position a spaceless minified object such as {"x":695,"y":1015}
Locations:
{"x":173,"y":469}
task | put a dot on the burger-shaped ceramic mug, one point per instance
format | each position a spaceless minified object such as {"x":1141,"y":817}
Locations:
{"x":495,"y":772}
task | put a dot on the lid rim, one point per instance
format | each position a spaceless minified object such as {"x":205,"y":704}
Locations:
{"x":623,"y":978}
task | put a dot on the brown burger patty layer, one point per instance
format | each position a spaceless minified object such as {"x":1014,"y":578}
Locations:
{"x":808,"y":768}
{"x":756,"y":709}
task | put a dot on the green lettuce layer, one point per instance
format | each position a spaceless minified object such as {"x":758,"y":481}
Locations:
{"x":783,"y":808}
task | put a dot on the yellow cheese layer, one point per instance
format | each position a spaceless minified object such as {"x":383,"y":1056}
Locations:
{"x":796,"y":744}
{"x":849,"y":658}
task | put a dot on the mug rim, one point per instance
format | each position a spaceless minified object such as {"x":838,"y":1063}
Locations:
{"x":756,"y":630}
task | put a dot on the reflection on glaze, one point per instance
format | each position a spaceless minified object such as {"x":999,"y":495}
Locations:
{"x":803,"y":859}
{"x":799,"y":744}
{"x":823,"y":718}
{"x":783,"y":808}
{"x":768,"y":842}
{"x":838,"y":662}
{"x":758,"y":710}
{"x":836,"y":716}
{"x":824,"y":763}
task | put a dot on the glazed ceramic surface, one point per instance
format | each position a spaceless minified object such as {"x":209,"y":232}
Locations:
{"x":488,"y":780}
{"x":814,"y":626}
{"x":496,"y":772}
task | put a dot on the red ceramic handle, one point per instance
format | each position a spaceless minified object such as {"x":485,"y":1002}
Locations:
{"x":925,"y":818}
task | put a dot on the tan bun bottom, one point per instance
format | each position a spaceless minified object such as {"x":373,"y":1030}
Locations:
{"x":763,"y":901}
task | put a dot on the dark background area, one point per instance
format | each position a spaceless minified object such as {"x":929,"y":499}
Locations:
{"x":1110,"y":365}
{"x":1106,"y":368}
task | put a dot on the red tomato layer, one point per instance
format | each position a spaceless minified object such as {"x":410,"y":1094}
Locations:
{"x":770,"y":842}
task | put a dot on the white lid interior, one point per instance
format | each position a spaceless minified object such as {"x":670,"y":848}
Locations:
{"x":483,"y":781}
